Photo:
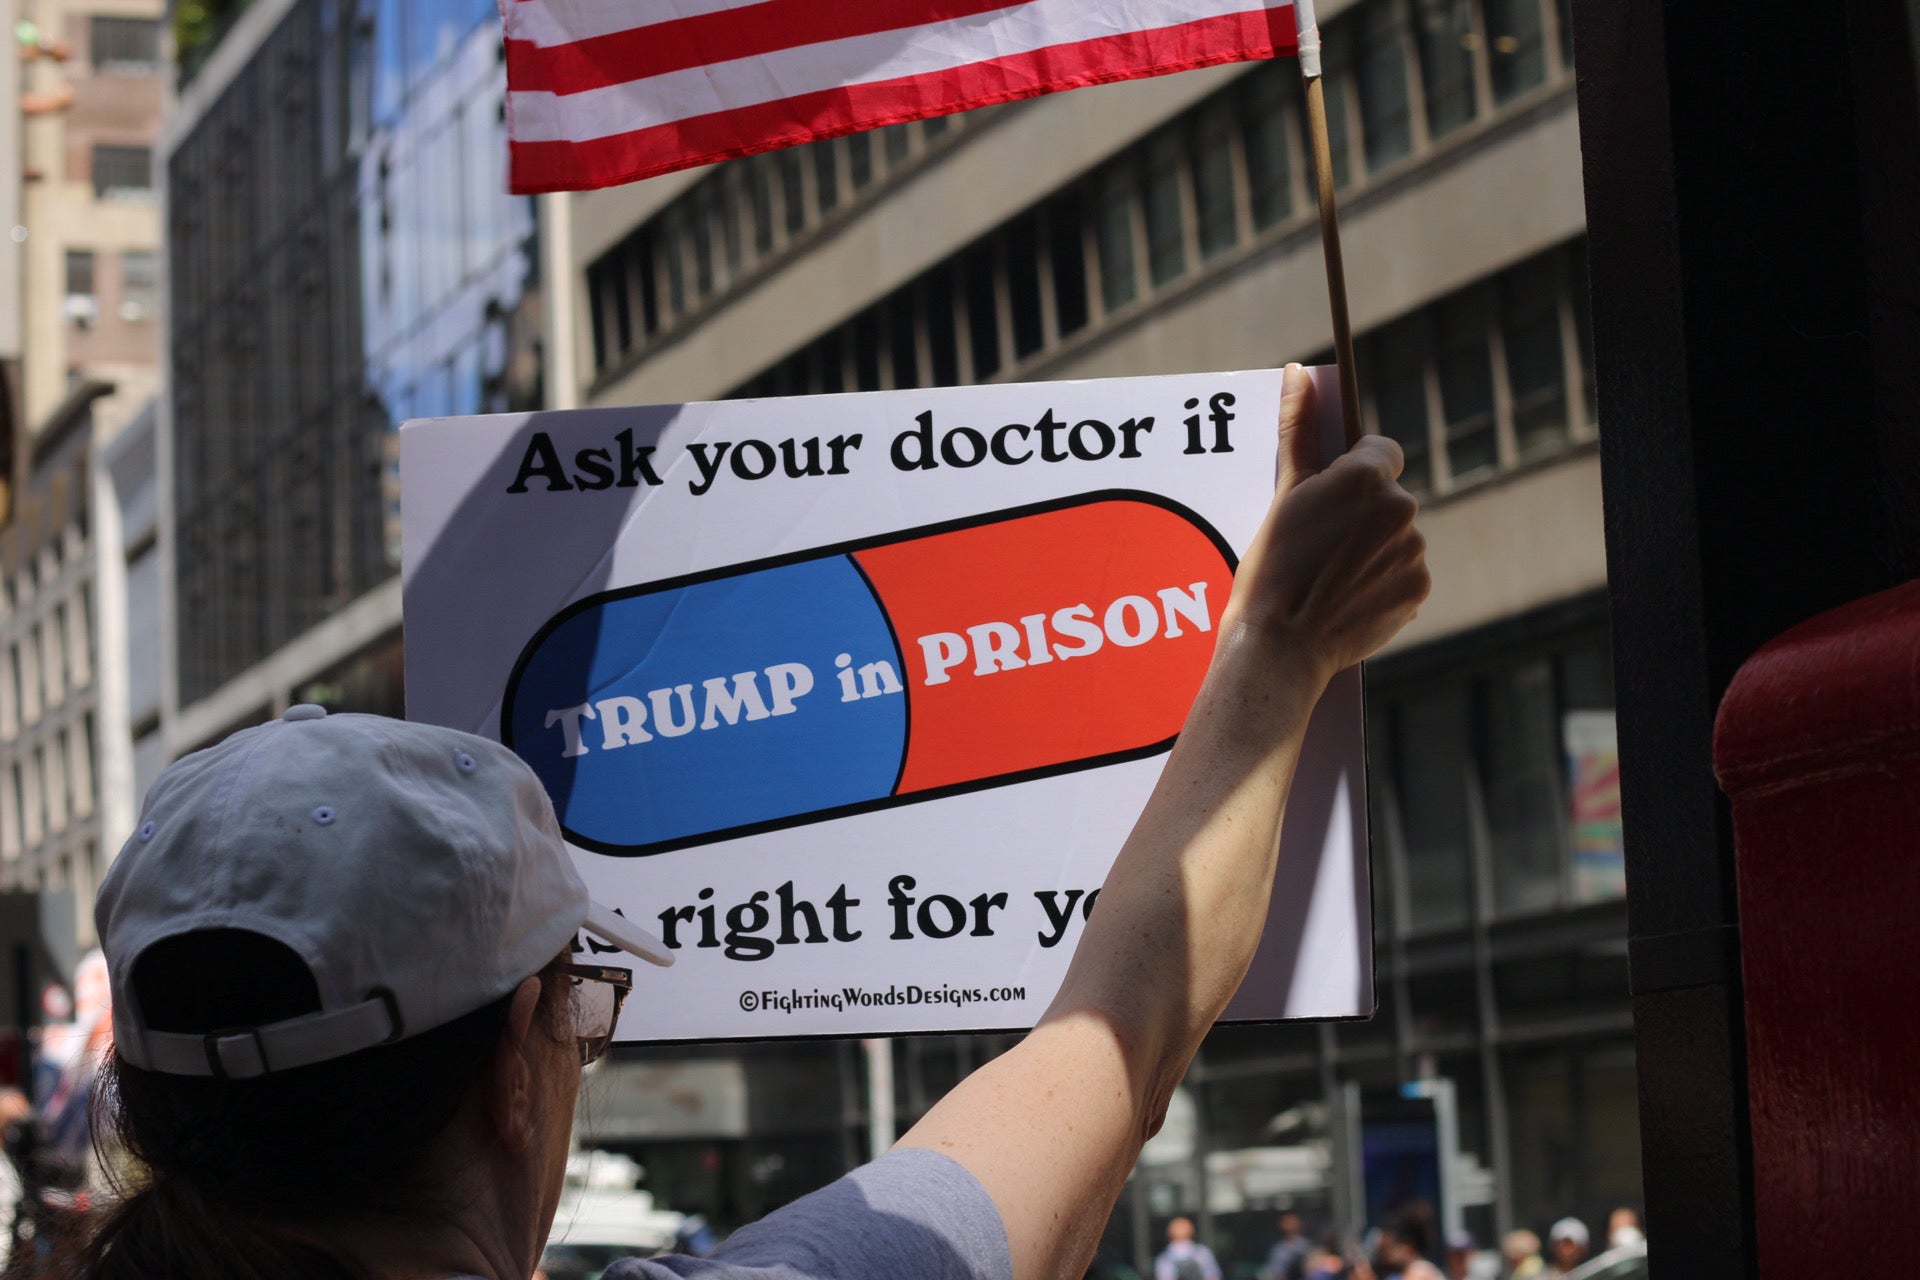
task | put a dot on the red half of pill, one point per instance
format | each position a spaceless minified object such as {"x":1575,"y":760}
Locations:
{"x":1051,"y":638}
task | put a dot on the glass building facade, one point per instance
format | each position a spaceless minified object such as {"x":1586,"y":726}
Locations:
{"x":343,"y":256}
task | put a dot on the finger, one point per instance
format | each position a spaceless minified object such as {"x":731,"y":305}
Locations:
{"x":1299,"y":433}
{"x":1381,"y":453}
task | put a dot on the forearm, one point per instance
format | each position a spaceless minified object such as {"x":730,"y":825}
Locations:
{"x":1183,"y":907}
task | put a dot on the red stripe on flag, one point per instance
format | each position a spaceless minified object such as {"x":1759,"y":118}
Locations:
{"x":723,"y":135}
{"x":723,"y":36}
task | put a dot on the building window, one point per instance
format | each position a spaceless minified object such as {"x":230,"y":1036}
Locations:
{"x":1021,"y":248}
{"x":139,"y":285}
{"x":1398,"y":357}
{"x":859,"y":160}
{"x":977,"y":275}
{"x":1466,"y":386}
{"x":1531,"y":338}
{"x":1517,"y":47}
{"x":122,"y":173}
{"x":1067,"y":256}
{"x":825,"y":175}
{"x":1430,"y":746}
{"x":1166,"y":234}
{"x":1380,"y":73}
{"x":793,"y":189}
{"x":1523,"y":739}
{"x":1582,"y":302}
{"x":1214,"y":200}
{"x":1113,"y":202}
{"x":1448,"y":41}
{"x":760,"y":202}
{"x":82,"y":303}
{"x":1269,"y":166}
{"x":1521,"y":776}
{"x":124,"y":46}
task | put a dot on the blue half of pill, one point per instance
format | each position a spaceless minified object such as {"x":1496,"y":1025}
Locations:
{"x":620,"y":796}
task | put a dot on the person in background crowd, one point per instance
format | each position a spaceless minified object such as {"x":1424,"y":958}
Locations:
{"x":1522,"y":1252}
{"x":1185,"y":1258}
{"x":1460,"y":1247}
{"x":1566,"y":1247}
{"x":1287,"y":1260}
{"x":1401,"y":1253}
{"x":1326,"y":1261}
{"x":1623,"y":1229}
{"x":350,"y":1021}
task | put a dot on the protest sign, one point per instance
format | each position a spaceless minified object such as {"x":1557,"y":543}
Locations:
{"x":854,"y":698}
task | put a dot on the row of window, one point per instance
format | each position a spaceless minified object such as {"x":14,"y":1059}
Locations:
{"x":1504,"y":776}
{"x":686,"y":257}
{"x":51,"y":659}
{"x":1488,"y":378}
{"x":139,"y":285}
{"x":122,"y":172}
{"x":1483,"y":380}
{"x":123,"y":46}
{"x":1230,"y":169}
{"x":51,"y":788}
{"x":1402,"y":74}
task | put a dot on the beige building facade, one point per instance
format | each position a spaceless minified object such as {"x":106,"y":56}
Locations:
{"x":94,"y":90}
{"x":1167,"y":226}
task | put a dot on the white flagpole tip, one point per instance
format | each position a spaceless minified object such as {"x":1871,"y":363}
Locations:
{"x":1309,"y":38}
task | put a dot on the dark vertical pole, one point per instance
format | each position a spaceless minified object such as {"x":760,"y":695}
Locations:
{"x":1748,"y":409}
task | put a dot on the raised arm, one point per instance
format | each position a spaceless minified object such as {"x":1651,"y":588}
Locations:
{"x":1052,"y":1127}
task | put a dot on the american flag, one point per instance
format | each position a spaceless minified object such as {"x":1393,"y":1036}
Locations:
{"x":607,"y":91}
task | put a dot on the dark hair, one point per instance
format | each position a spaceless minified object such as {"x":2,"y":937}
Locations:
{"x":1411,"y":1228}
{"x":235,"y":1173}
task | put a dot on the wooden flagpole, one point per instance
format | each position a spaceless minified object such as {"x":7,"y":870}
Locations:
{"x":1329,"y":219}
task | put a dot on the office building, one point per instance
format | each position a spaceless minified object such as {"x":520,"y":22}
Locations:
{"x":1164,"y":226}
{"x":341,"y":257}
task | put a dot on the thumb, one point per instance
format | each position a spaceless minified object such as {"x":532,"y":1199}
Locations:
{"x":1299,"y":434}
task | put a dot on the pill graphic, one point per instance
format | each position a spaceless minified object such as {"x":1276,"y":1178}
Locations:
{"x":1005,"y":647}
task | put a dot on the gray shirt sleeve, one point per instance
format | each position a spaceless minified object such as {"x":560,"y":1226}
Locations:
{"x":911,"y":1215}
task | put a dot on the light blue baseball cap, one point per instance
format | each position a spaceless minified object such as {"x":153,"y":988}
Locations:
{"x":417,"y":871}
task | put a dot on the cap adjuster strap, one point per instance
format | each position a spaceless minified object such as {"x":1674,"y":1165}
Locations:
{"x":244,"y":1053}
{"x":220,"y":1067}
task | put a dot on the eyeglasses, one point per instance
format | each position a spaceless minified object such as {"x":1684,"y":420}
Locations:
{"x":595,"y":995}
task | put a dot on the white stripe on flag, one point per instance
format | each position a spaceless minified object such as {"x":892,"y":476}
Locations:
{"x":869,"y":59}
{"x":552,"y":22}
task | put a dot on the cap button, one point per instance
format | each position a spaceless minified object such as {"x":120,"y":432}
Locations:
{"x":305,"y":711}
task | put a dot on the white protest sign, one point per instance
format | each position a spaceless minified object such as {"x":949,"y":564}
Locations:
{"x":854,"y":698}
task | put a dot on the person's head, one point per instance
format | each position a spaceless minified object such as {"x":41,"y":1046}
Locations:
{"x":1179,"y":1230}
{"x":1520,"y":1245}
{"x":1567,"y":1243}
{"x":345,"y":1004}
{"x":1289,"y":1225}
{"x":1403,"y":1241}
{"x":1623,"y":1229}
{"x":1460,"y":1247}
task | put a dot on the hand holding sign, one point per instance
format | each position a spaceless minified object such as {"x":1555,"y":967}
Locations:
{"x":1052,"y":1127}
{"x":1337,"y":568}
